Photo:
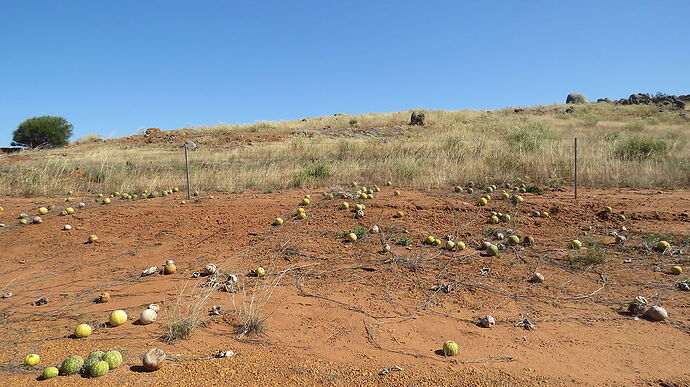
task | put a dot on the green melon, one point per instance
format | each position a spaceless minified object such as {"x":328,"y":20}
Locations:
{"x":93,"y":358}
{"x":99,"y":369}
{"x":113,"y":358}
{"x":72,"y":365}
{"x":96,"y":355}
{"x":492,"y":250}
{"x":50,"y":372}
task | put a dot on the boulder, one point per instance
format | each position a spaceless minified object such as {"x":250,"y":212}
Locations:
{"x":417,"y":119}
{"x":575,"y":98}
{"x":150,"y":131}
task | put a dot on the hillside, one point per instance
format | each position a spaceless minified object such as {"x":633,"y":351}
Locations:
{"x":636,"y":146}
{"x":285,"y":258}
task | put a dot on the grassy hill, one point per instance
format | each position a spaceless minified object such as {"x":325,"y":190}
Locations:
{"x":619,"y":146}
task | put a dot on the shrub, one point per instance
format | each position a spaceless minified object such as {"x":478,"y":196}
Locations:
{"x":589,"y":120}
{"x":255,"y":127}
{"x":636,"y":126}
{"x":637,"y":148}
{"x":51,"y":131}
{"x":89,"y":138}
{"x":528,"y":137}
{"x":314,"y":170}
{"x":353,"y":122}
{"x":535,"y":190}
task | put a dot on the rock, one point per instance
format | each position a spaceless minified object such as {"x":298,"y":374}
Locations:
{"x":620,"y":239}
{"x":537,"y":278}
{"x":605,"y":100}
{"x":637,"y":306}
{"x":575,"y":98}
{"x":150,"y":131}
{"x":487,"y":322}
{"x":570,"y":109}
{"x":519,"y":110}
{"x":657,"y":313}
{"x":417,"y":119}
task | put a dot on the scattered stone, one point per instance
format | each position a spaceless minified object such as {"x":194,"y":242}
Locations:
{"x":222,"y":354}
{"x":684,"y":286}
{"x":656,"y":313}
{"x":40,"y":301}
{"x":215,"y":310}
{"x":487,"y":322}
{"x":620,"y":239}
{"x":7,"y":295}
{"x":387,"y":248}
{"x":485,"y":271}
{"x":387,"y":371}
{"x":537,"y":278}
{"x":627,"y":260}
{"x":445,"y":288}
{"x":375,"y":229}
{"x":525,"y":323}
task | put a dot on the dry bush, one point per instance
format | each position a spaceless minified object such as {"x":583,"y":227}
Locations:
{"x":186,"y":314}
{"x":249,"y":311}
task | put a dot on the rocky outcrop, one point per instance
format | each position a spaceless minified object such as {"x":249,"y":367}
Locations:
{"x":417,"y":119}
{"x":150,"y":131}
{"x":575,"y":98}
{"x":659,"y":99}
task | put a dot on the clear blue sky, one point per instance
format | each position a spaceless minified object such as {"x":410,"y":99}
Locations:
{"x":112,"y":67}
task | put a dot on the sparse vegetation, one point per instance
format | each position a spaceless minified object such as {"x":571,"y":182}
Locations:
{"x":186,"y":314}
{"x":403,"y":241}
{"x":455,"y":147}
{"x":594,"y":255}
{"x":89,"y":138}
{"x":250,"y":321}
{"x":639,"y":148}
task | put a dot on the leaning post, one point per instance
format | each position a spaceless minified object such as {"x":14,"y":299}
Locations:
{"x":188,"y":145}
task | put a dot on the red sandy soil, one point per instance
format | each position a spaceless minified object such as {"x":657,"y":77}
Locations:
{"x":341,"y":312}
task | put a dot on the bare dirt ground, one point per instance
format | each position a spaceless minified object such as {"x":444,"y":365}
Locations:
{"x":342,"y":312}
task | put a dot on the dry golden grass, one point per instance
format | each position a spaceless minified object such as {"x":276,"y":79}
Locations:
{"x":454,"y":148}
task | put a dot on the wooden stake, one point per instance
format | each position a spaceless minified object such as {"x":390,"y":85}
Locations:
{"x":186,"y":164}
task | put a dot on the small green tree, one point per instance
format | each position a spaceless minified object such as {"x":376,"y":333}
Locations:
{"x":49,"y":131}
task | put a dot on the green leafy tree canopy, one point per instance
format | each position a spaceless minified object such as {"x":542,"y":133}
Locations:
{"x":51,"y":131}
